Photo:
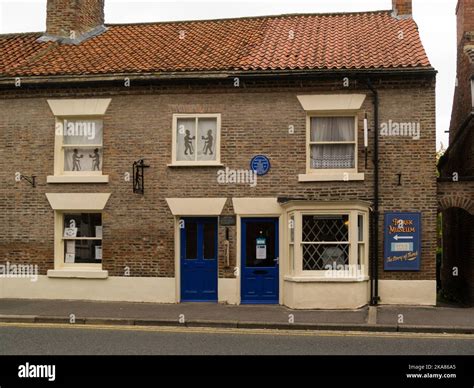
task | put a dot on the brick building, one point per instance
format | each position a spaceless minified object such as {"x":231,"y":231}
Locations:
{"x":266,"y":182}
{"x":456,"y":183}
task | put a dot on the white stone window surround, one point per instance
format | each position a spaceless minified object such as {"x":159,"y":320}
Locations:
{"x":63,"y":203}
{"x":76,"y":109}
{"x":330,"y":105}
{"x":216,"y":160}
{"x":294,"y":251}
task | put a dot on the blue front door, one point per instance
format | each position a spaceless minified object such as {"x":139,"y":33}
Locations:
{"x":198,"y":259}
{"x":259,"y":261}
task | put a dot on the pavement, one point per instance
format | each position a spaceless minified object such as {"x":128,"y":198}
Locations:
{"x":379,"y":319}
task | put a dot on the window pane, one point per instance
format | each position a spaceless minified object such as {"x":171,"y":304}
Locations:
{"x":83,"y":251}
{"x":82,"y":132}
{"x":190,"y":229}
{"x":360,"y":254}
{"x":87,"y":224}
{"x":209,"y":240}
{"x":292,"y":257}
{"x":82,"y":159}
{"x":318,"y":257}
{"x":360,"y":227}
{"x":332,"y":129}
{"x":325,"y":228}
{"x":332,"y":156}
{"x":292,"y":229}
{"x":207,"y":138}
{"x":186,"y":139}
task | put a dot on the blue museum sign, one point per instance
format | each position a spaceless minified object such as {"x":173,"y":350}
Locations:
{"x":402,"y":248}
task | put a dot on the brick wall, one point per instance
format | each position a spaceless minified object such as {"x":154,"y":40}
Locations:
{"x":465,"y":18}
{"x":462,"y":104}
{"x":80,"y":16}
{"x":458,"y":224}
{"x":138,"y":230}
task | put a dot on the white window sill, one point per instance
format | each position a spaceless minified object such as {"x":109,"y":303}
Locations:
{"x":77,"y":179}
{"x":197,"y":164}
{"x":78,"y":274}
{"x":331,"y":177}
{"x":322,"y":279}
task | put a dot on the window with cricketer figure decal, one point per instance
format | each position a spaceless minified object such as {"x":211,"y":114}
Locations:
{"x":82,"y":145}
{"x":196,"y":139}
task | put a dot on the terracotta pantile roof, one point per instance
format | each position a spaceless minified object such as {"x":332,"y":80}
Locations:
{"x":369,"y":40}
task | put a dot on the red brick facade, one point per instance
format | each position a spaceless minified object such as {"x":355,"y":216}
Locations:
{"x":139,"y":231}
{"x":263,"y":79}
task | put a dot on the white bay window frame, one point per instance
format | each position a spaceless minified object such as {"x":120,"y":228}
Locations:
{"x":298,"y":210}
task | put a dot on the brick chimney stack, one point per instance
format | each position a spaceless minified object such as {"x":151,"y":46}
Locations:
{"x":74,"y":19}
{"x":464,"y":92}
{"x":402,"y":8}
{"x":465,"y":20}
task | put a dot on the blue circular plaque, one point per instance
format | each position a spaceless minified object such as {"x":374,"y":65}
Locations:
{"x":260,"y":164}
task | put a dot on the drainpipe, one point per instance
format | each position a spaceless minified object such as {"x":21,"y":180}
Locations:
{"x":374,"y":279}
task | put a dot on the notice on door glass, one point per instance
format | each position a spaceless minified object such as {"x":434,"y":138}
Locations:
{"x":261,"y":248}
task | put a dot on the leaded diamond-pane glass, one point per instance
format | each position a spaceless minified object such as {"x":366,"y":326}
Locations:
{"x":318,"y":257}
{"x":325,"y":228}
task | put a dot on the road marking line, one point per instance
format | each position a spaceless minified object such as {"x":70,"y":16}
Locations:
{"x":222,"y":331}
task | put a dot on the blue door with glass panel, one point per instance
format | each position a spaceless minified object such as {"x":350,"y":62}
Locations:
{"x":198,"y":259}
{"x":260,"y":280}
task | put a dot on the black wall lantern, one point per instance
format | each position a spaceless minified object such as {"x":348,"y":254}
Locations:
{"x":139,"y":176}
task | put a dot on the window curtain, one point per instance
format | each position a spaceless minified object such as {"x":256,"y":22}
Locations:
{"x":82,"y":132}
{"x":332,"y":129}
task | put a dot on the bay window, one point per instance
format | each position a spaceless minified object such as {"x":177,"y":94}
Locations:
{"x":325,"y":241}
{"x":328,"y":240}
